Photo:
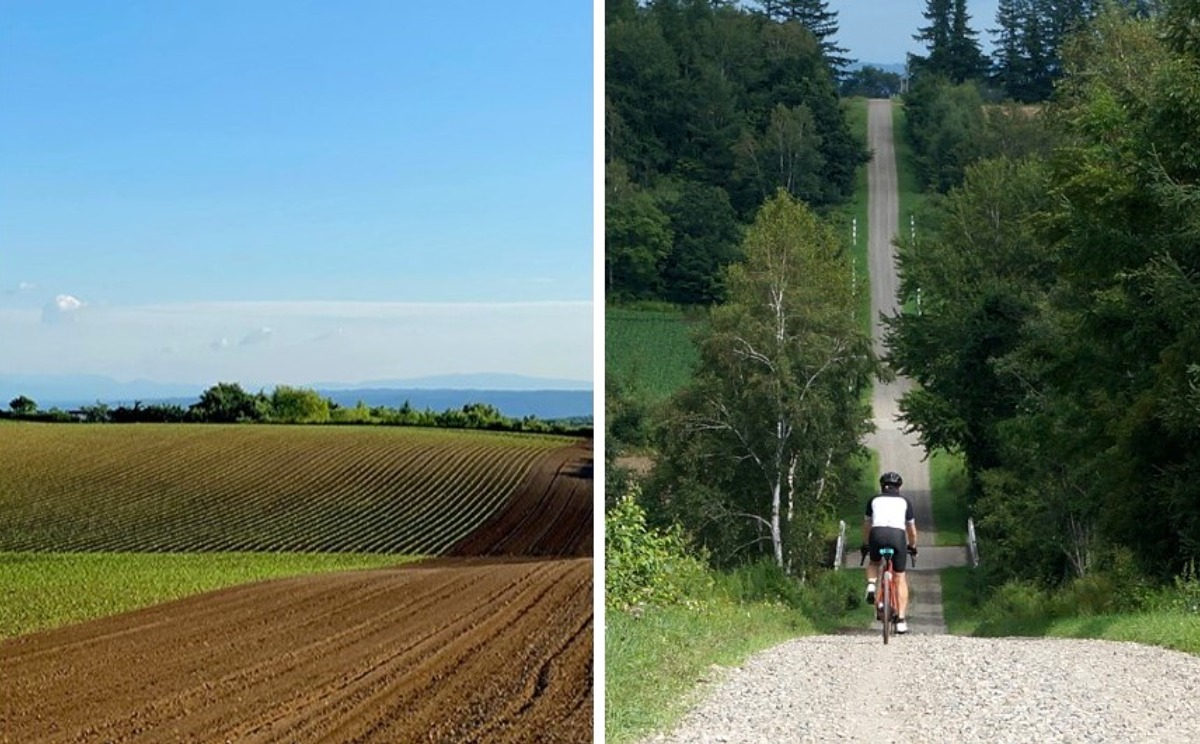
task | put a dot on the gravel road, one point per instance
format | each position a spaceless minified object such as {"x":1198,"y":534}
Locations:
{"x":954,"y":690}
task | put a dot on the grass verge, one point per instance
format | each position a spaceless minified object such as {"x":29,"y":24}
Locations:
{"x":911,"y":197}
{"x":948,"y":490}
{"x":659,"y":661}
{"x":39,"y":591}
{"x":856,"y":213}
{"x":959,"y":604}
{"x":657,"y":664}
{"x":1022,"y":611}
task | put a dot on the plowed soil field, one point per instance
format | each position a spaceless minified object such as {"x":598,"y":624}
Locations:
{"x":455,"y":649}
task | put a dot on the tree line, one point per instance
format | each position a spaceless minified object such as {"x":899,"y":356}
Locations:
{"x":710,"y":108}
{"x":229,"y":403}
{"x":1058,"y":345}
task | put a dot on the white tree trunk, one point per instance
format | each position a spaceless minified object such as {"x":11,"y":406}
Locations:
{"x":776,"y":533}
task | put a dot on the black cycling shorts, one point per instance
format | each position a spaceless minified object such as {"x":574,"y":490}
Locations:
{"x":890,"y":537}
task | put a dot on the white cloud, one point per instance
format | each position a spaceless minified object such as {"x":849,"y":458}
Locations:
{"x":296,"y":343}
{"x":63,"y":309}
{"x":257,"y":336}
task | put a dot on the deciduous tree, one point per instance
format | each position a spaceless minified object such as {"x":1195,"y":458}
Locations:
{"x":756,"y":449}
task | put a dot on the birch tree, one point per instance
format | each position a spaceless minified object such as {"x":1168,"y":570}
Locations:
{"x":760,"y":442}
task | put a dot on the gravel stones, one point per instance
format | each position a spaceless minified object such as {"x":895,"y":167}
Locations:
{"x":939,"y":688}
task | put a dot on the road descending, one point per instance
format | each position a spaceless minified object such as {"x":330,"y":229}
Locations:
{"x":929,"y":686}
{"x":897,"y":451}
{"x":454,"y":649}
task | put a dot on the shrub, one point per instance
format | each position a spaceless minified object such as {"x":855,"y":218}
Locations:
{"x":645,"y":566}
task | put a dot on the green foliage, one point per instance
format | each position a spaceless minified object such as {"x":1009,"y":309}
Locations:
{"x":872,"y":82}
{"x":757,"y":449}
{"x":645,"y":566}
{"x":297,"y":406}
{"x":708,"y":110}
{"x":948,"y":485}
{"x":1030,"y":38}
{"x":946,"y":126}
{"x":22,"y":406}
{"x":981,"y":274}
{"x":46,"y":590}
{"x":227,"y":402}
{"x":953,"y":47}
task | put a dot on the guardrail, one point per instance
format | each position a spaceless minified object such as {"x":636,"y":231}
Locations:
{"x":839,"y":553}
{"x":972,"y":546}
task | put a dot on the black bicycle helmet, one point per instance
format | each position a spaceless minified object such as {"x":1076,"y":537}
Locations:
{"x":890,"y":478}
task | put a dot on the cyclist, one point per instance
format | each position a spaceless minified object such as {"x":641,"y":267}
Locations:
{"x":889,"y":521}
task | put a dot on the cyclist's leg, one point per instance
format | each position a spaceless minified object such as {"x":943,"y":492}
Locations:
{"x":900,"y":565}
{"x":874,"y":543}
{"x":902,"y":594}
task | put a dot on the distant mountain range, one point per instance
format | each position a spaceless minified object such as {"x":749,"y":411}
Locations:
{"x":513,"y":395}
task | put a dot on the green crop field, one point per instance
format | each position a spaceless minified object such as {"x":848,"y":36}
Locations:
{"x":39,"y":591}
{"x":199,"y":488}
{"x":650,"y":351}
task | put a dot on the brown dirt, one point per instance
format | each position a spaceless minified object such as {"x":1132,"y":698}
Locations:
{"x":455,"y":649}
{"x":550,"y":514}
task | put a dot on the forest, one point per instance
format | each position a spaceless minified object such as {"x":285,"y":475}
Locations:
{"x":1057,"y":349}
{"x":710,"y":107}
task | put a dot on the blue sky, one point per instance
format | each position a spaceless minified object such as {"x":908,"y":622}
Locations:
{"x":295,"y":191}
{"x":882,"y":30}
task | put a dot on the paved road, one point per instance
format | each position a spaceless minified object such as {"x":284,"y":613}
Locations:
{"x":897,"y":451}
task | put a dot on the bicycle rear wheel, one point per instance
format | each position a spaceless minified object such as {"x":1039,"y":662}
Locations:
{"x":885,"y":587}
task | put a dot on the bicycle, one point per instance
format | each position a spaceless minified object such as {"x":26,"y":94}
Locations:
{"x":887,"y":607}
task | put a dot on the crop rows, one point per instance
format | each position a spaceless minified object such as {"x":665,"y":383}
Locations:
{"x":253,"y":488}
{"x":652,"y":352}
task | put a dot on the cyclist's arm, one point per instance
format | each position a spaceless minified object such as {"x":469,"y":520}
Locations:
{"x":910,"y":523}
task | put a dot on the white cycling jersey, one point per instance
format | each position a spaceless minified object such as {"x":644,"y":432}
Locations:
{"x":890,"y":510}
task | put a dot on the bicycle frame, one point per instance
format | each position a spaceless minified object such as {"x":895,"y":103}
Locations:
{"x":890,"y":599}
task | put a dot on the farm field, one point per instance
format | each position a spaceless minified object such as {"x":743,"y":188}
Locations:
{"x":450,"y":651}
{"x":188,"y":488}
{"x":39,"y":591}
{"x":492,"y":642}
{"x":651,"y":351}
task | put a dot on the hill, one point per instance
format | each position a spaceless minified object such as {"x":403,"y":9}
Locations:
{"x":207,"y":487}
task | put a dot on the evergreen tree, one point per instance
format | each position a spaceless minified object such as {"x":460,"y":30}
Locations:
{"x":965,"y":59}
{"x":954,"y":52}
{"x":936,"y":36}
{"x":816,"y":16}
{"x":1010,"y":67}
